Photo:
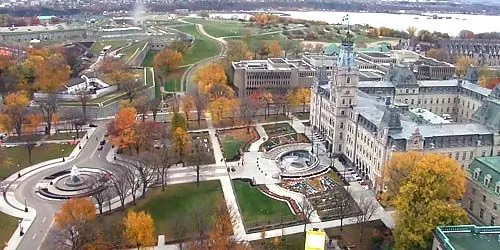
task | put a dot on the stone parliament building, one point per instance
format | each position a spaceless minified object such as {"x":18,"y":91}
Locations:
{"x":363,"y":123}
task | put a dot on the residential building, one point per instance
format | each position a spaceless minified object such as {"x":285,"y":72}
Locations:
{"x":484,"y":51}
{"x":482,"y":194}
{"x":363,"y":123}
{"x":466,"y":237}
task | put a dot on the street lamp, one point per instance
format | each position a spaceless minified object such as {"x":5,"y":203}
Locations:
{"x":18,"y":173}
{"x":25,"y":206}
{"x":62,"y":151}
{"x":21,"y":233}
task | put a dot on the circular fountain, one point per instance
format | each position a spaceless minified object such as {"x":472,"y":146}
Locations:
{"x":299,"y":164}
{"x":76,"y":182}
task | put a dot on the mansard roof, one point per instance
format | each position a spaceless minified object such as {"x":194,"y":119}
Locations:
{"x":472,"y":75}
{"x":400,"y":75}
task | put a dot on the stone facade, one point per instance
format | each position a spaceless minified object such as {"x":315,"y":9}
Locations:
{"x":482,"y":194}
{"x":485,"y":51}
{"x":364,"y":122}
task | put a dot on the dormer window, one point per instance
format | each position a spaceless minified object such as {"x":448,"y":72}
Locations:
{"x":477,"y":172}
{"x":497,"y":187}
{"x":487,"y":180}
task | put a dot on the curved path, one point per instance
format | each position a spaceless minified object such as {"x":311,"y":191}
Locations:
{"x":187,"y":77}
{"x":25,"y":188}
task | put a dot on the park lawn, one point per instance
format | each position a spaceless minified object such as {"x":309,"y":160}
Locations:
{"x":173,"y":80}
{"x":18,"y":156}
{"x":131,"y":51}
{"x":235,"y":139}
{"x":7,"y":227}
{"x":176,"y":201}
{"x":202,"y":48}
{"x":148,"y":59}
{"x":258,"y":208}
{"x":97,"y":46}
{"x":65,"y":136}
{"x":287,"y":242}
{"x":222,"y":28}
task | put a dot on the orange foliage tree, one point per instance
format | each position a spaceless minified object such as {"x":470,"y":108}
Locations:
{"x":209,"y":75}
{"x":15,"y":111}
{"x":72,"y":221}
{"x":139,"y":229}
{"x":275,"y":48}
{"x":50,"y":69}
{"x":220,"y":237}
{"x":122,"y":129}
{"x":165,"y":61}
{"x":188,"y":105}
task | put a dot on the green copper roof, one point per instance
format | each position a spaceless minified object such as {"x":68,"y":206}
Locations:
{"x":468,"y":237}
{"x":488,"y":166}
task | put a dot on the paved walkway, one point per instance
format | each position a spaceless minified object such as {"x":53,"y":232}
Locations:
{"x":10,"y":205}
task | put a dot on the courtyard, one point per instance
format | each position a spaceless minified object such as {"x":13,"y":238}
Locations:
{"x":235,"y":141}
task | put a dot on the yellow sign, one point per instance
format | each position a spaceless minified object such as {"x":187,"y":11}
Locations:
{"x":315,"y":240}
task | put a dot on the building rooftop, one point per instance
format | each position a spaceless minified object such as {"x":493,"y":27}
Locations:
{"x":436,"y":130}
{"x":428,"y":116}
{"x":377,"y":54}
{"x":476,"y":88}
{"x":274,"y":64}
{"x":492,"y":162}
{"x":468,"y":237}
{"x":439,"y":83}
{"x":432,"y":62}
{"x":38,"y":28}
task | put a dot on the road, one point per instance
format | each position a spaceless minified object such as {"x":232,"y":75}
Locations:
{"x":88,"y":157}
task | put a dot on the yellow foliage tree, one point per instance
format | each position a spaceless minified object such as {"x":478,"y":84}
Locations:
{"x":220,"y":237}
{"x":209,"y":75}
{"x":275,"y":48}
{"x":139,"y":229}
{"x":219,"y":107}
{"x":462,"y":64}
{"x":303,"y":95}
{"x":181,"y":141}
{"x":50,"y":69}
{"x":430,"y":185}
{"x":15,"y":111}
{"x":188,"y":105}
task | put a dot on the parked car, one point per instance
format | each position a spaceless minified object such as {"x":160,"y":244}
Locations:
{"x":100,"y":147}
{"x":102,"y":142}
{"x":92,"y":125}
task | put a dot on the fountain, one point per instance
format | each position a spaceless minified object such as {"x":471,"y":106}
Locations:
{"x":75,"y":178}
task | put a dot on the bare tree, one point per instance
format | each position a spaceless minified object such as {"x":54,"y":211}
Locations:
{"x":131,"y":87}
{"x":249,"y":107}
{"x":154,"y":105}
{"x":367,"y":206}
{"x":180,"y":229}
{"x":48,"y":108}
{"x":175,"y":103}
{"x":145,"y":165}
{"x":141,"y":104}
{"x":200,"y":222}
{"x":198,"y":153}
{"x":120,"y":185}
{"x":200,"y":104}
{"x":307,"y":208}
{"x":343,"y":206}
{"x":132,"y":179}
{"x":101,"y":196}
{"x":84,"y":98}
{"x":31,"y":142}
{"x":165,"y":162}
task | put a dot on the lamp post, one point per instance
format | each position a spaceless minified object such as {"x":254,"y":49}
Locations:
{"x":62,"y":152}
{"x":18,"y":173}
{"x":21,"y":233}
{"x":25,"y":206}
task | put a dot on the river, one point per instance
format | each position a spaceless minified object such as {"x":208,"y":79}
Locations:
{"x":452,"y":26}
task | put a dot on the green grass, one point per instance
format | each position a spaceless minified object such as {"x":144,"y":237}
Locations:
{"x":7,"y":227}
{"x":202,"y":48}
{"x":65,"y":136}
{"x":18,"y":156}
{"x":177,"y":201}
{"x":131,"y":51}
{"x":287,"y":242}
{"x":231,"y":147}
{"x":99,"y":45}
{"x":257,"y":207}
{"x":148,"y":60}
{"x":173,"y":80}
{"x":221,"y":28}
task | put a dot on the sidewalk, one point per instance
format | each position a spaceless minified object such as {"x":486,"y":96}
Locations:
{"x":11,"y":206}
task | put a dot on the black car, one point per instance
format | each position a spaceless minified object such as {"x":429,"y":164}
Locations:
{"x":100,"y":147}
{"x":92,"y":125}
{"x":102,"y":142}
